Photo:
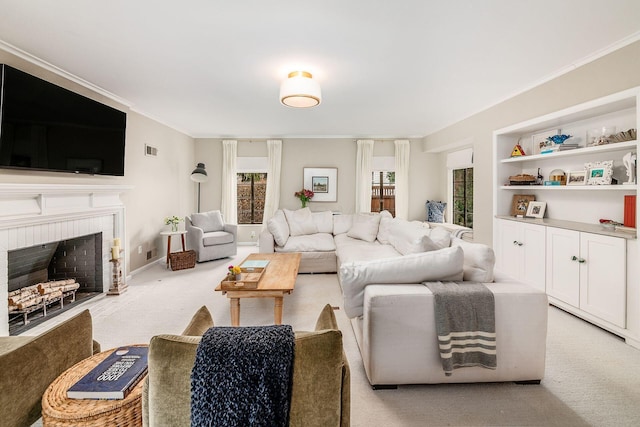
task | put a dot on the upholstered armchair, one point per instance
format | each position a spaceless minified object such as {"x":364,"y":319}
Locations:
{"x":210,"y":237}
{"x":320,"y":394}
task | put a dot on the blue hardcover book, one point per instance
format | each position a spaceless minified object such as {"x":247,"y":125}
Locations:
{"x":114,"y":377}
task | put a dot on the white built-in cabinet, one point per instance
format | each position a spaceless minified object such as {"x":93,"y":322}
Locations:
{"x":521,"y":252}
{"x":585,"y":269}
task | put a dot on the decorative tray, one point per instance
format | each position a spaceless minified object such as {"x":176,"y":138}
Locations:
{"x":247,"y":281}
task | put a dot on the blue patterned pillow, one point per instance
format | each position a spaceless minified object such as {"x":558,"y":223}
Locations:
{"x":435,"y":211}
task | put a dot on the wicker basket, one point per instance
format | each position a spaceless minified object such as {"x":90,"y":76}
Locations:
{"x":182,"y":260}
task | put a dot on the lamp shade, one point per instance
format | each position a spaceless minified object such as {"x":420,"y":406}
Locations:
{"x":199,"y":174}
{"x":299,"y":90}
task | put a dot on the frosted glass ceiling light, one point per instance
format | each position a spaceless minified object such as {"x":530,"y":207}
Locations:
{"x":299,"y":90}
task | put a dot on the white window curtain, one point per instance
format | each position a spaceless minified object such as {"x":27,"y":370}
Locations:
{"x":229,"y":203}
{"x":364,"y":162}
{"x":272,"y":198}
{"x":402,"y":150}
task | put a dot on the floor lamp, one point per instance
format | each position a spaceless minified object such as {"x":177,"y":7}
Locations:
{"x":199,"y":175}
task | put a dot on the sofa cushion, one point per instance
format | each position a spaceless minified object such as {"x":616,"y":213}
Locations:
{"x":217,"y":238}
{"x":409,"y":237}
{"x":323,"y":221}
{"x":435,"y":210}
{"x":442,"y":264}
{"x":318,"y":242}
{"x":349,"y":249}
{"x":300,"y":222}
{"x":364,"y":227}
{"x":479,"y":260}
{"x":208,"y":221}
{"x":342,"y":223}
{"x":384,"y":229}
{"x":200,"y":322}
{"x":279,"y":227}
{"x":439,"y":238}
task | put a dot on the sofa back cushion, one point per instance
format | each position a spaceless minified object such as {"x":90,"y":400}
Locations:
{"x":364,"y":227}
{"x":323,"y":221}
{"x":479,"y":260}
{"x":300,"y":222}
{"x":279,"y":228}
{"x":384,"y":229}
{"x":342,"y":223}
{"x":208,"y":221}
{"x":442,"y":264}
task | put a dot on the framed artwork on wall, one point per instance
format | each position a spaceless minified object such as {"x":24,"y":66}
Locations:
{"x":323,"y":182}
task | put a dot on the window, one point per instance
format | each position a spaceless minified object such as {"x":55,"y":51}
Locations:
{"x":383,"y":191}
{"x":463,"y":197}
{"x":252,"y":189}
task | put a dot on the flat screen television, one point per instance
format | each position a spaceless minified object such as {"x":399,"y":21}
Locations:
{"x":49,"y":128}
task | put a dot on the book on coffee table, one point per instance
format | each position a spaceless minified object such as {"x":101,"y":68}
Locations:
{"x":254,"y":265}
{"x":114,"y":377}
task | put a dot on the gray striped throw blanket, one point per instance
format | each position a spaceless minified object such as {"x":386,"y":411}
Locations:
{"x":242,"y":377}
{"x":465,"y":324}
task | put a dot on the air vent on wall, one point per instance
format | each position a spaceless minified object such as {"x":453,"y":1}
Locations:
{"x":150,"y":151}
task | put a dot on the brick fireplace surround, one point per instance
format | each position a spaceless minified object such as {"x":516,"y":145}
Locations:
{"x":33,"y":214}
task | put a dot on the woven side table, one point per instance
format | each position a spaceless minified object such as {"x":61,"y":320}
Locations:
{"x":59,"y":410}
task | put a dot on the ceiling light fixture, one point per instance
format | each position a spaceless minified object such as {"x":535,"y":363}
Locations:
{"x":299,"y":90}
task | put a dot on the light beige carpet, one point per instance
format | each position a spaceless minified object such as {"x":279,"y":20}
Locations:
{"x":592,"y":377}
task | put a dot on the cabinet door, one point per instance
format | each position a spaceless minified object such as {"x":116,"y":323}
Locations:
{"x":563,"y":266}
{"x":509,"y":255}
{"x":603,"y":284}
{"x":534,"y":261}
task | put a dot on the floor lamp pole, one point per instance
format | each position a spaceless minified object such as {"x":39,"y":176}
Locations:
{"x":198,"y":197}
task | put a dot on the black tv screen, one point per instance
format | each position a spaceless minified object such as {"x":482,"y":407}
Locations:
{"x":47,"y":127}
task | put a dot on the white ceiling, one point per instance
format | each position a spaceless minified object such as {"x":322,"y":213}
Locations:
{"x":388,"y":68}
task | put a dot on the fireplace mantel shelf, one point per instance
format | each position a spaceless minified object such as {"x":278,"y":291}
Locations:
{"x":22,"y":204}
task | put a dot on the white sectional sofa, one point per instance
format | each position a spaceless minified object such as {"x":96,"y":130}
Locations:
{"x":382,"y":263}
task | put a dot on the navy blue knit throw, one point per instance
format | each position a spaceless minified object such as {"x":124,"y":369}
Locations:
{"x":242,"y":376}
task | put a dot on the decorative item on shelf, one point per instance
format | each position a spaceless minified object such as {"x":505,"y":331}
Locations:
{"x":173,"y":221}
{"x":304,"y":195}
{"x":629,"y":161}
{"x":576,"y":177}
{"x":517,"y":151}
{"x":540,"y":141}
{"x":520,"y":203}
{"x":630,"y":211}
{"x":556,"y":143}
{"x":599,"y":173}
{"x":609,"y":224}
{"x":601,"y":136}
{"x":536,"y":209}
{"x":559,"y":176}
{"x":629,"y":135}
{"x":522,"y":179}
{"x":235,"y":273}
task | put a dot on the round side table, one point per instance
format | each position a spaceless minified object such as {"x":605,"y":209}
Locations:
{"x":59,"y":410}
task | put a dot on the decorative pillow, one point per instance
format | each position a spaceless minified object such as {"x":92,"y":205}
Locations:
{"x":208,"y":221}
{"x":410,"y":238}
{"x":323,"y":221}
{"x":200,"y":322}
{"x":435,"y":211}
{"x":479,"y":260}
{"x":443,"y":264}
{"x":342,"y":223}
{"x":439,"y":238}
{"x":300,"y":222}
{"x":364,"y":227}
{"x":386,"y":221}
{"x":279,"y":228}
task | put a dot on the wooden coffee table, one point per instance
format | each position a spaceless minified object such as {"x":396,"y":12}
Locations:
{"x":278,"y":279}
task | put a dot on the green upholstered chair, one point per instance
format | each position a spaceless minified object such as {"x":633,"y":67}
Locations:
{"x":321,"y":377}
{"x":28,"y":364}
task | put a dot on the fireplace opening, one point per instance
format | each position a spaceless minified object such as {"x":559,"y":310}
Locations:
{"x":46,"y":280}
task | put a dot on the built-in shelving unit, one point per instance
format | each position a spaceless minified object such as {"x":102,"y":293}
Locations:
{"x":569,"y":253}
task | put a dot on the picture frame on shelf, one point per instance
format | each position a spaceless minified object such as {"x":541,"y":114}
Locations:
{"x":520,"y":203}
{"x":536,"y":209}
{"x":577,"y":177}
{"x":323,"y":182}
{"x":539,"y":141}
{"x":599,"y":173}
